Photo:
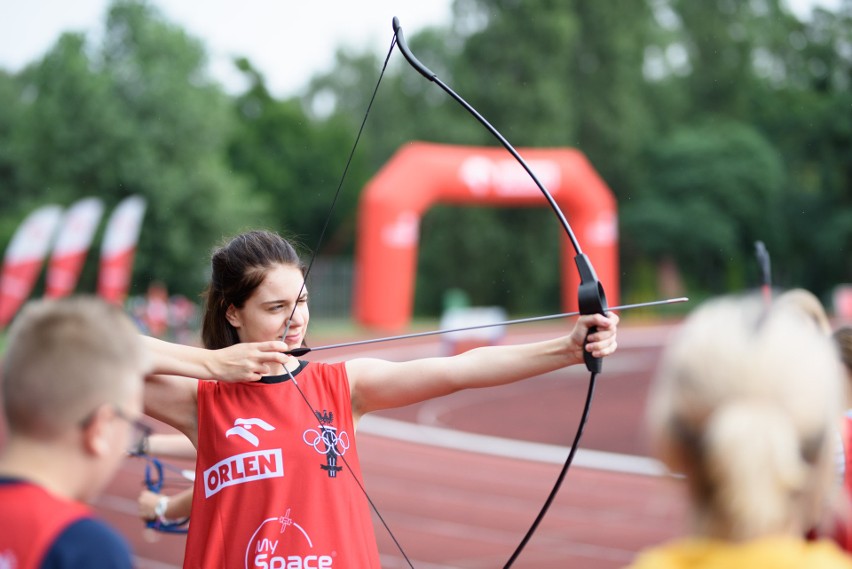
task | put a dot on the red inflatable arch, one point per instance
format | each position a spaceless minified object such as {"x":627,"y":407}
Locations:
{"x":420,"y":175}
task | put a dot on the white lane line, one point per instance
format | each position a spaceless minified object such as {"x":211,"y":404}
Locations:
{"x":508,"y":448}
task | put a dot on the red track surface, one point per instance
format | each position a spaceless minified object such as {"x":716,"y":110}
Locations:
{"x":451,"y":505}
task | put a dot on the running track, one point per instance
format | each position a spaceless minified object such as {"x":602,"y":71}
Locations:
{"x":460,"y":479}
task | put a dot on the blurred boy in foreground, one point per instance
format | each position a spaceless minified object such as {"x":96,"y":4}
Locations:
{"x":72,"y":379}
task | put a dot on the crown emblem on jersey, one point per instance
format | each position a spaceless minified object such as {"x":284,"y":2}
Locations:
{"x":325,"y":417}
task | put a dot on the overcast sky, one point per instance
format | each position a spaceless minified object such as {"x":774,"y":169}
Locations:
{"x":287,"y":40}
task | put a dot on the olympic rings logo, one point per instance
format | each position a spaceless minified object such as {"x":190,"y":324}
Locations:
{"x":327,"y":441}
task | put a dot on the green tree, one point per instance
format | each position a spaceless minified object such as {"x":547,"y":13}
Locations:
{"x":136,"y":115}
{"x":754,"y":63}
{"x":10,"y":189}
{"x":296,"y":163}
{"x":573,"y":76}
{"x":178,"y":122}
{"x":809,"y":120}
{"x":735,"y":113}
{"x":714,"y":190}
{"x":69,"y":122}
{"x":564,"y":82}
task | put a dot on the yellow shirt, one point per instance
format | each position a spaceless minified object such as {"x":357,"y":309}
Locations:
{"x":768,"y":553}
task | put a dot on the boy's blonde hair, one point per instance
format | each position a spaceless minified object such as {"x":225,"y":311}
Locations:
{"x":745,"y":404}
{"x":63,"y":359}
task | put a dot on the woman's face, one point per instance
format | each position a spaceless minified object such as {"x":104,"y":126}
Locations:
{"x":266,"y":312}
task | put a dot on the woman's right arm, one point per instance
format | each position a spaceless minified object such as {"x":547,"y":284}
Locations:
{"x":174,"y":401}
{"x":171,"y":389}
{"x":240,"y":362}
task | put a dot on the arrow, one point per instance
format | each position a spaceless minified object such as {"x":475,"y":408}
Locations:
{"x":304,"y":349}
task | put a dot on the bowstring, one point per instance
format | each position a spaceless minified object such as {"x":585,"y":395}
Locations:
{"x":304,"y":284}
{"x":587,"y":406}
{"x":340,"y":186}
{"x":375,"y":509}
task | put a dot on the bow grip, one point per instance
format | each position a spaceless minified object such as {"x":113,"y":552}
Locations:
{"x":592,"y":300}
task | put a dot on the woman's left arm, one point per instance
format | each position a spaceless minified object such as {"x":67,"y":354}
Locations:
{"x":379,"y":384}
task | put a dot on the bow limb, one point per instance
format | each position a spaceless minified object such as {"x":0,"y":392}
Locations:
{"x":765,"y":263}
{"x":591,"y":296}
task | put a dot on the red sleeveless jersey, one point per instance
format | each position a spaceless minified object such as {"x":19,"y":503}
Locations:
{"x":30,"y":521}
{"x":272,"y":489}
{"x":843,"y":525}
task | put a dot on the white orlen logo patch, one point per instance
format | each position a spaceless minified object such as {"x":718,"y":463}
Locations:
{"x":242,"y":468}
{"x":242,"y":428}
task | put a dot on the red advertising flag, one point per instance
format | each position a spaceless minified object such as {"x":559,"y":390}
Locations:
{"x":72,"y":245}
{"x":24,"y":258}
{"x":118,"y":249}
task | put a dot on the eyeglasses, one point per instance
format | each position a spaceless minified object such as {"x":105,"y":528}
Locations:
{"x":139,"y":431}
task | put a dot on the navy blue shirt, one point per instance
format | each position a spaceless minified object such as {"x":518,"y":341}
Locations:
{"x":91,"y":544}
{"x":84,"y":543}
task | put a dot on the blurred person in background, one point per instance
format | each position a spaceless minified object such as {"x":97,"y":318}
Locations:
{"x":745,"y":406}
